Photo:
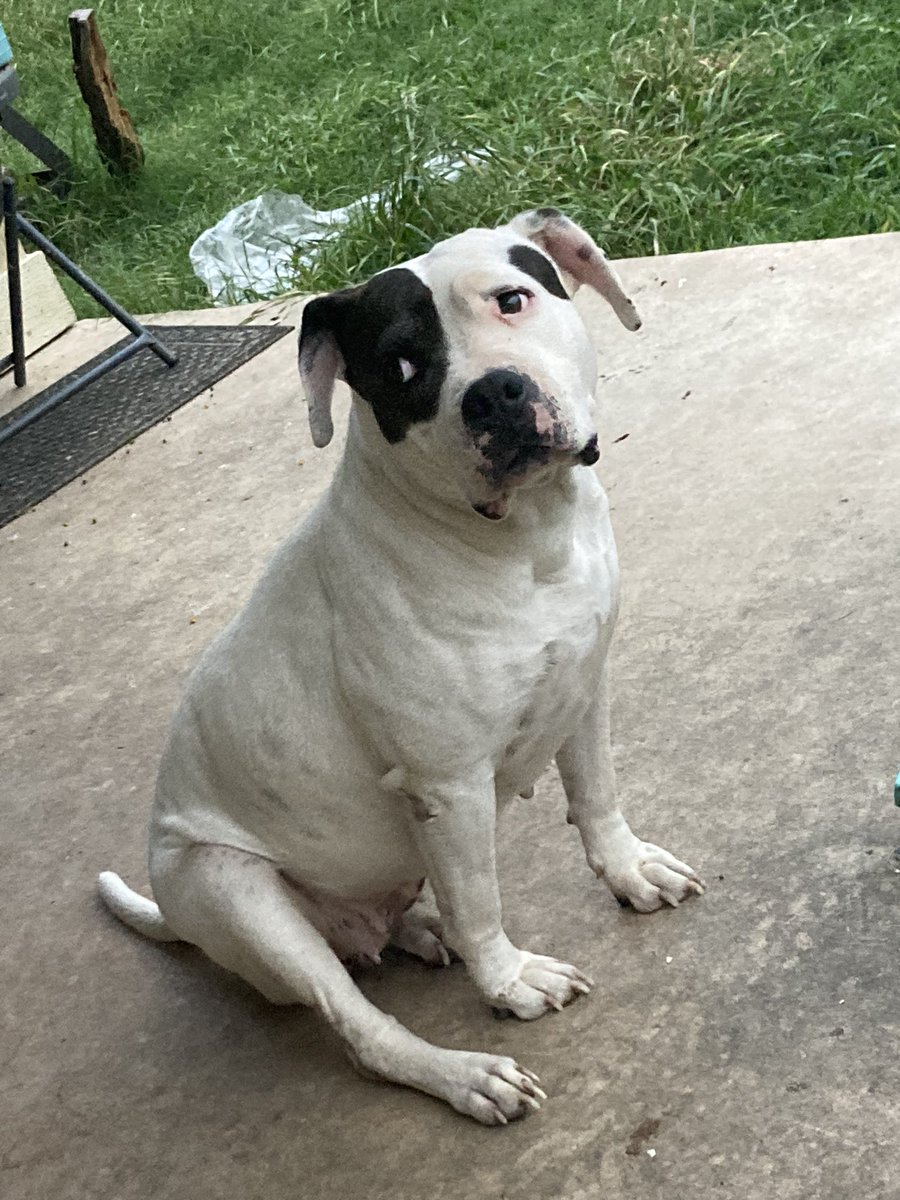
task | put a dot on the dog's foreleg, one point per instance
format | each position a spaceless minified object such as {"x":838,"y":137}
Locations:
{"x":238,"y":909}
{"x":453,"y":825}
{"x":638,"y":873}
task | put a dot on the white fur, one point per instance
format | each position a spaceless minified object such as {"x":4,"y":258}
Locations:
{"x":404,"y":667}
{"x":135,"y":910}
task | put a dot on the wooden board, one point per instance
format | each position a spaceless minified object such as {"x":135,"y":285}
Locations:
{"x":47,"y":311}
{"x":116,"y":139}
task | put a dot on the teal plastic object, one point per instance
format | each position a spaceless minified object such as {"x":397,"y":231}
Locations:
{"x":897,"y":790}
{"x":5,"y":48}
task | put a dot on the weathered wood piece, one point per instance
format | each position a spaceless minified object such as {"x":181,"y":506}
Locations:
{"x":46,"y":309}
{"x":114,"y":132}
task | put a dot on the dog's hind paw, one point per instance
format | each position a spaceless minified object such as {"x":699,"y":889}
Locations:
{"x":491,"y":1089}
{"x":421,"y":936}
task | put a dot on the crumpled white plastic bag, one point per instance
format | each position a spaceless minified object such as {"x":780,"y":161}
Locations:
{"x":252,"y":251}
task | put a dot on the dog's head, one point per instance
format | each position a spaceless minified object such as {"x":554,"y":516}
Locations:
{"x":471,"y":359}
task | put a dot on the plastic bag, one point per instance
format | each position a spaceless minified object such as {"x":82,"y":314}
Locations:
{"x":251,"y":253}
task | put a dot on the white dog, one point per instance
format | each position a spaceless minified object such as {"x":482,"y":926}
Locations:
{"x":415,"y":655}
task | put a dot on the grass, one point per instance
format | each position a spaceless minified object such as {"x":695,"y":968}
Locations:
{"x":662,"y":127}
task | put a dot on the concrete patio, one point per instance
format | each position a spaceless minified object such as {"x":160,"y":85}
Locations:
{"x":743,"y":1046}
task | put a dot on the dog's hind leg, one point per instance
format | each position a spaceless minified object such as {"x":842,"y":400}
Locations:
{"x":240,"y":911}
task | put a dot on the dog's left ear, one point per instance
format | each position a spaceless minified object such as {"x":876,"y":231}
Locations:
{"x":320,"y":361}
{"x":578,"y":256}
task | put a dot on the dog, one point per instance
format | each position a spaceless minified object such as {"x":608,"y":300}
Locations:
{"x":415,"y":655}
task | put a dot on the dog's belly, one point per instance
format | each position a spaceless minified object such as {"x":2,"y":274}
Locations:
{"x":349,"y":845}
{"x":339,"y":835}
{"x":357,"y":929}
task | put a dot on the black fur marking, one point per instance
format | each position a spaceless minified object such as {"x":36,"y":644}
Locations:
{"x":585,"y":252}
{"x":591,"y":452}
{"x":539,"y":267}
{"x":547,"y":214}
{"x":393,"y":316}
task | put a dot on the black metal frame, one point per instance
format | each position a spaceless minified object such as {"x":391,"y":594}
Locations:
{"x":58,"y":176}
{"x":16,"y":360}
{"x":14,"y":224}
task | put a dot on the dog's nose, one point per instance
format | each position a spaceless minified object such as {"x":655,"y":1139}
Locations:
{"x":495,"y":397}
{"x":591,"y":452}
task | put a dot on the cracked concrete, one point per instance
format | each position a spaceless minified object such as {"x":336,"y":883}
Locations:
{"x":749,"y":1040}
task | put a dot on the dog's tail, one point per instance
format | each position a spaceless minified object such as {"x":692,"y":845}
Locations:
{"x":135,"y":910}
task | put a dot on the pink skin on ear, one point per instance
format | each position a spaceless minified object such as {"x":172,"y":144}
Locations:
{"x":320,"y":365}
{"x":575,"y":253}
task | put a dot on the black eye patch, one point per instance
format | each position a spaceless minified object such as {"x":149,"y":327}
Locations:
{"x":539,"y":267}
{"x":391,"y":317}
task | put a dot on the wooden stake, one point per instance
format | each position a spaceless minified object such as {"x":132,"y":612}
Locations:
{"x":116,"y":139}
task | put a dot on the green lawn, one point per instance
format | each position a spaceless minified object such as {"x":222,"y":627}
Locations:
{"x":662,"y":127}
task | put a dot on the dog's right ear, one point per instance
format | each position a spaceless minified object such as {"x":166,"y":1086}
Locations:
{"x":320,"y":361}
{"x":578,"y":255}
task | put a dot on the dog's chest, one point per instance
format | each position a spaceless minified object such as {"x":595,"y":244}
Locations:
{"x":562,"y":655}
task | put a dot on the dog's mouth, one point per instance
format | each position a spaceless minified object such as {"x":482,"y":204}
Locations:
{"x":521,"y":466}
{"x":493,"y":510}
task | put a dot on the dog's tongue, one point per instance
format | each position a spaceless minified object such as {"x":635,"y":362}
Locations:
{"x":494,"y":510}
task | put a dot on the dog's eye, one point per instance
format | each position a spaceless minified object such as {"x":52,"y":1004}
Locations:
{"x":407,"y":370}
{"x":511,"y":302}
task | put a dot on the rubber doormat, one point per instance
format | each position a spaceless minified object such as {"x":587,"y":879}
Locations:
{"x":140,"y":392}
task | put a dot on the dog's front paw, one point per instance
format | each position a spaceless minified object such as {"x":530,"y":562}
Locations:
{"x":541,"y":985}
{"x":646,"y":876}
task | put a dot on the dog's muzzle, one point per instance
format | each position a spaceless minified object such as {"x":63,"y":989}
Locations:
{"x":516,"y":427}
{"x":591,"y":452}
